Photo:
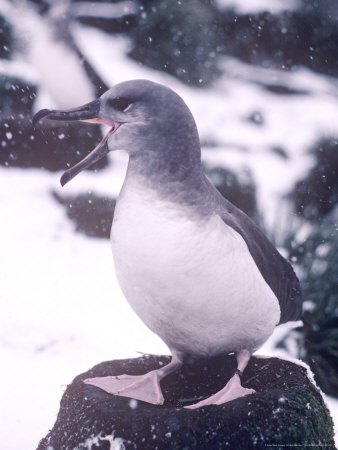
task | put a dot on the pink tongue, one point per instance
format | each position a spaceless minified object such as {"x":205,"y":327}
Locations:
{"x":110,"y":123}
{"x":114,"y":126}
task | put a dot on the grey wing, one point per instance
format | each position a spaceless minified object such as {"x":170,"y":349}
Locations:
{"x":276,"y":270}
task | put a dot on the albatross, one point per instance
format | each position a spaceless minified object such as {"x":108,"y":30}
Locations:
{"x":196,"y":269}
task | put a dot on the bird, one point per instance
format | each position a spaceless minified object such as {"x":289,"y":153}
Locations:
{"x":195,"y":268}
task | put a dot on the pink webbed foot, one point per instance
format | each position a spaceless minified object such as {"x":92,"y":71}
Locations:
{"x":140,"y":387}
{"x":231,"y":391}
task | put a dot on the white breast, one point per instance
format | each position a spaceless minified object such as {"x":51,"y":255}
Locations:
{"x":192,"y":281}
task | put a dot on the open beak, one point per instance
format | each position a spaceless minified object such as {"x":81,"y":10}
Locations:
{"x":85,"y":113}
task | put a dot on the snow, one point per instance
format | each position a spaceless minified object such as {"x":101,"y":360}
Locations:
{"x":116,"y":443}
{"x":257,"y":6}
{"x":62,"y":309}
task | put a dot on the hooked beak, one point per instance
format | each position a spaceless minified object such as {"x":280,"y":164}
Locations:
{"x":85,"y":113}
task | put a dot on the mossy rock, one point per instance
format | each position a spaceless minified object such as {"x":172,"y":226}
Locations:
{"x":287,"y":409}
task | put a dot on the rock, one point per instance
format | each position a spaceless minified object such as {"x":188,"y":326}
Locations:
{"x":91,"y":214}
{"x":180,"y":38}
{"x":257,"y":118}
{"x":286,"y":409}
{"x":288,"y":38}
{"x":280,"y":89}
{"x":239,"y":190}
{"x":16,"y":96}
{"x":53,"y":145}
{"x":6,"y":38}
{"x":317,"y":194}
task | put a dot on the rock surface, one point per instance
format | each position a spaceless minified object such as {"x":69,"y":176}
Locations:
{"x":51,"y":145}
{"x":287,"y":409}
{"x":91,"y":214}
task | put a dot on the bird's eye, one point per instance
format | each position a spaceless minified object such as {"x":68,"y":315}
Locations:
{"x":120,"y":103}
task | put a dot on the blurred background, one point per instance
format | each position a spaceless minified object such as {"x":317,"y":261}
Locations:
{"x":261,"y":79}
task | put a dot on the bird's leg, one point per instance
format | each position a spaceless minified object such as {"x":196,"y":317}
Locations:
{"x":232,"y":389}
{"x":140,"y":387}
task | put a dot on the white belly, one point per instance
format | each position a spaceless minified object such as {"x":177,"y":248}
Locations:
{"x":192,"y":281}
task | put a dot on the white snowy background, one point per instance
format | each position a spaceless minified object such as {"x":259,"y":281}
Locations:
{"x":61,"y":308}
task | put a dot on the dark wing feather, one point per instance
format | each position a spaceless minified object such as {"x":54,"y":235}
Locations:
{"x":276,"y":270}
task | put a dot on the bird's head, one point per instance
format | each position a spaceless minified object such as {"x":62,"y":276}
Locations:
{"x":142,"y":116}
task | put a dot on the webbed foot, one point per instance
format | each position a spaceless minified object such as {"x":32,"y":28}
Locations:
{"x":140,"y":387}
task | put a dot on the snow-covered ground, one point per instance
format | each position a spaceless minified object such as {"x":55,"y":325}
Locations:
{"x":62,"y":309}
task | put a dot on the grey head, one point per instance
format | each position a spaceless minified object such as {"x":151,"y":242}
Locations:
{"x":146,"y":119}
